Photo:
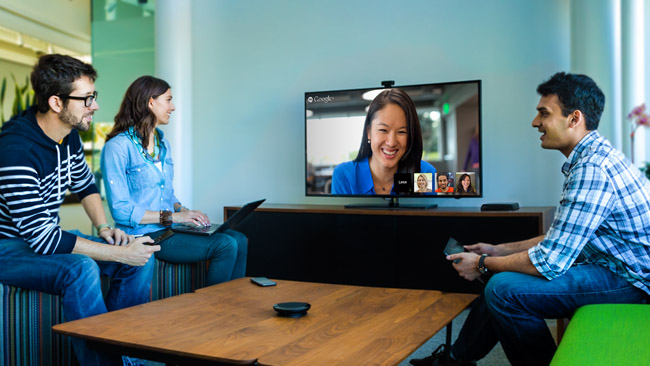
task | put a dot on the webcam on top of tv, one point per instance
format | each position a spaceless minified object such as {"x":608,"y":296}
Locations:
{"x":388,"y":83}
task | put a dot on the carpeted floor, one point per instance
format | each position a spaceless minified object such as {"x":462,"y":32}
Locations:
{"x":494,"y":358}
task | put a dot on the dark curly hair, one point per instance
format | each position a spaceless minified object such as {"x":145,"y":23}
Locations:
{"x":576,"y":92}
{"x":54,"y":74}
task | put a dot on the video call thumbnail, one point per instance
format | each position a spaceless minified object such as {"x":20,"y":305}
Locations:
{"x":423,"y":182}
{"x":443,"y":183}
{"x":465,"y":184}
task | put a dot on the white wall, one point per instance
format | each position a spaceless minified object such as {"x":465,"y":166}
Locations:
{"x":254,"y":59}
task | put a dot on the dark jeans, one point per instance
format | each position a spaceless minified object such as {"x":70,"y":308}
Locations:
{"x":226,"y":252}
{"x":76,"y":278}
{"x":513,"y":307}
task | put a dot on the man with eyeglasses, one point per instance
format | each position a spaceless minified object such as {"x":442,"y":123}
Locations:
{"x":41,"y":158}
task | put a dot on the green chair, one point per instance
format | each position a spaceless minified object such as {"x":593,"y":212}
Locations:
{"x":606,"y":334}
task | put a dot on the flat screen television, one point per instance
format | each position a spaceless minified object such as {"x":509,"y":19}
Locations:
{"x":431,"y":143}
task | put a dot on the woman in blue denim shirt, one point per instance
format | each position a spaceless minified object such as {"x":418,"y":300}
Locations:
{"x":138,"y":174}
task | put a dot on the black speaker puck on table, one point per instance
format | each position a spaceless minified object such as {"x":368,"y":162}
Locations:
{"x":292,"y":309}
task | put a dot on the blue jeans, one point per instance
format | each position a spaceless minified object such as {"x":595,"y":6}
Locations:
{"x":226,"y":252}
{"x":76,"y":279}
{"x":513,"y":307}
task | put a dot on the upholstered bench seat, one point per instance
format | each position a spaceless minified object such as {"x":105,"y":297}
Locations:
{"x":27,"y":317}
{"x":606,"y":334}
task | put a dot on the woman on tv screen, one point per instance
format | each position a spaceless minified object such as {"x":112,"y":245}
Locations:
{"x":464,"y":186}
{"x":391,"y":143}
{"x":423,"y":183}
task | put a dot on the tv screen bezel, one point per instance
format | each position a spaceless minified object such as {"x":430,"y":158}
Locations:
{"x":479,"y":174}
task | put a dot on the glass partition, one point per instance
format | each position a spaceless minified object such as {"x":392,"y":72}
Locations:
{"x":122,"y":50}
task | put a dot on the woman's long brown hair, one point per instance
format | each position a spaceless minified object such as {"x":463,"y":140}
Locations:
{"x":134,"y":111}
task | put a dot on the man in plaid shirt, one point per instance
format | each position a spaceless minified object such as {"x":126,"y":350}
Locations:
{"x":596,"y":251}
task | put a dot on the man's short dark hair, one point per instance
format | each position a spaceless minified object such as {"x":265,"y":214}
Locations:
{"x":576,"y":92}
{"x":54,"y":74}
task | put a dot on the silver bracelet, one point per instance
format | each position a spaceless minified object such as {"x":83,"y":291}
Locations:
{"x":103,"y":226}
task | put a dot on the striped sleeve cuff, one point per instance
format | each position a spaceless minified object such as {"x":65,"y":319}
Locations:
{"x":92,"y":188}
{"x":67,"y":243}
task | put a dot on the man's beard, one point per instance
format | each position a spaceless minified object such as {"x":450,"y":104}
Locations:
{"x":69,"y":119}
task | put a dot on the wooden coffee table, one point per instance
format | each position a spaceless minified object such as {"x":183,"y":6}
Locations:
{"x":234,"y":323}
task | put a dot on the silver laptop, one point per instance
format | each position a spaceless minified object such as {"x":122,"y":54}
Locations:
{"x":235,"y":219}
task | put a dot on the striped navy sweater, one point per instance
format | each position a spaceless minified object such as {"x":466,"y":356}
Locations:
{"x":35,"y":173}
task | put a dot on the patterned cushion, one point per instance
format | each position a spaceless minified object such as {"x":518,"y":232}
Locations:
{"x":26,"y":322}
{"x":175,"y":279}
{"x":26,"y":317}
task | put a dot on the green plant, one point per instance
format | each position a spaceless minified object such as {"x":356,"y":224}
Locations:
{"x":646,"y":170}
{"x":87,"y":135}
{"x":3,"y":88}
{"x":23,"y":97}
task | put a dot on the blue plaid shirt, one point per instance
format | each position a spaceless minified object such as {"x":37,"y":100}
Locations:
{"x":604,"y":213}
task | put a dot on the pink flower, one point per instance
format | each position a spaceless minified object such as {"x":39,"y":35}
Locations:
{"x":638,"y":116}
{"x":637,"y":111}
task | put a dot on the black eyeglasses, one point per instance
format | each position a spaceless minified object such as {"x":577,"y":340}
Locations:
{"x":88,"y":100}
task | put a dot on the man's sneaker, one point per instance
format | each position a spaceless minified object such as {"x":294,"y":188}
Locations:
{"x":439,"y":357}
